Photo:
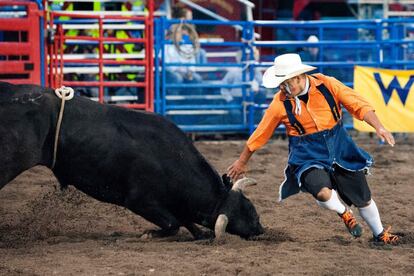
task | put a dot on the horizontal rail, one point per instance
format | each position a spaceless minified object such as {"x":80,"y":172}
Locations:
{"x":105,"y":56}
{"x":204,"y":107}
{"x":15,"y":48}
{"x":194,"y":97}
{"x":105,"y":70}
{"x":197,"y":112}
{"x":214,"y":128}
{"x":104,"y":26}
{"x":116,"y":98}
{"x":104,"y":83}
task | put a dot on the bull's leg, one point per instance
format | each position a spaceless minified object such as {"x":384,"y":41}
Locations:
{"x":161,"y":217}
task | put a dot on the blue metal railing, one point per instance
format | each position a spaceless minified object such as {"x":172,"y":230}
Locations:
{"x":166,"y":90}
{"x":342,"y":45}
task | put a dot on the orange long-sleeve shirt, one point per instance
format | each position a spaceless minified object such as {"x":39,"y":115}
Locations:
{"x":316,"y":114}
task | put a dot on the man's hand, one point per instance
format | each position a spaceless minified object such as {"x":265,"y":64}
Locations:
{"x":382,"y":133}
{"x":385,"y":135}
{"x":237,"y":170}
{"x":239,"y":167}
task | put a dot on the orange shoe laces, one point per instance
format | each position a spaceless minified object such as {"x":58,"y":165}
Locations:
{"x":349,"y":219}
{"x":387,"y":237}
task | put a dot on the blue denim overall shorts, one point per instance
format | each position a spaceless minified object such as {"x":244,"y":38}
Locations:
{"x":321,"y":150}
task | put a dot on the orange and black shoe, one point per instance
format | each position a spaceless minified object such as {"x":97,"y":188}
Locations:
{"x":351,"y":224}
{"x":387,"y":238}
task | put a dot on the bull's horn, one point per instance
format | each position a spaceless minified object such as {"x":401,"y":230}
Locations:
{"x":221,"y":224}
{"x":243,"y":183}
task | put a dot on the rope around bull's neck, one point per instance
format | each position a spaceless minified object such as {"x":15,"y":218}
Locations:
{"x":65,"y":93}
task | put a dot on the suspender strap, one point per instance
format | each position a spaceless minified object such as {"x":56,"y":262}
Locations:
{"x":330,"y":99}
{"x":292,"y":119}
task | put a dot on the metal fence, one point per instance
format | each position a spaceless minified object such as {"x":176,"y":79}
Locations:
{"x":220,"y":90}
{"x":201,"y":106}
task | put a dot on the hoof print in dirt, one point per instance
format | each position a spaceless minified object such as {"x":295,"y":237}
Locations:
{"x":341,"y":240}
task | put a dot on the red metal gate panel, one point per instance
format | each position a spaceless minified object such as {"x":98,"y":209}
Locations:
{"x":20,"y":58}
{"x":100,"y":63}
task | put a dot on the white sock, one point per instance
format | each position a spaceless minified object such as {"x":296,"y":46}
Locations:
{"x":372,"y":217}
{"x":333,"y":203}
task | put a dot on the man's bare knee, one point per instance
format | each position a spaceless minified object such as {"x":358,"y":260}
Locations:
{"x":324,"y":194}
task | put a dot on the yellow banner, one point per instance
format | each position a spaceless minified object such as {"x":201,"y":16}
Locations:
{"x":391,"y":92}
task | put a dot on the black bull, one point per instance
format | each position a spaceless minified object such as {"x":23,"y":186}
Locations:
{"x":138,"y":160}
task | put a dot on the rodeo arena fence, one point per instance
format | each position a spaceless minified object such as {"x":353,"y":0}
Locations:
{"x":120,"y":56}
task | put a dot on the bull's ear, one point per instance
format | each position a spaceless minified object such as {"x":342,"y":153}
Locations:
{"x":228,"y":183}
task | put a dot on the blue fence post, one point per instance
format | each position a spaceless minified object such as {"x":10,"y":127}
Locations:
{"x":248,"y":37}
{"x":394,"y":47}
{"x":378,"y":38}
{"x":321,"y":69}
{"x":163,"y":73}
{"x":400,"y":36}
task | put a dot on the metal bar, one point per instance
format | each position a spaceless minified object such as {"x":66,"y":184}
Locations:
{"x":15,"y":48}
{"x":90,"y":1}
{"x":105,"y":83}
{"x":16,"y":67}
{"x":157,"y":95}
{"x":164,"y":75}
{"x":105,"y":56}
{"x":14,"y":24}
{"x":205,"y":85}
{"x":212,"y":14}
{"x":140,"y":15}
{"x":150,"y":56}
{"x":203,"y":106}
{"x":106,"y":39}
{"x":105,"y":61}
{"x":105,"y":26}
{"x":198,"y":112}
{"x":61,"y":42}
{"x":134,"y":106}
{"x":247,"y":3}
{"x":213,"y":128}
{"x":101,"y":51}
{"x":106,"y":70}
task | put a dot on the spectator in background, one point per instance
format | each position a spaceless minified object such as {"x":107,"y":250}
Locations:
{"x":183,"y":13}
{"x":183,"y":53}
{"x":185,"y":49}
{"x":235,"y":76}
{"x":311,"y":53}
{"x":235,"y":95}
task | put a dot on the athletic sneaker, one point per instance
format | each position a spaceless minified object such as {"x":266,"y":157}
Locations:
{"x":351,"y":224}
{"x":386,"y":237}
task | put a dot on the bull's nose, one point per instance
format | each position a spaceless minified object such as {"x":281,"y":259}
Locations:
{"x":258,"y":230}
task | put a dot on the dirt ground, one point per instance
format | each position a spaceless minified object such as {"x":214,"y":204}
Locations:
{"x":45,"y":231}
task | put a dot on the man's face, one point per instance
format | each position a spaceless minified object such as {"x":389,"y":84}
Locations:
{"x":292,"y":86}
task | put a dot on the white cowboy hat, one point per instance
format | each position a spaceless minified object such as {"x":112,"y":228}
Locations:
{"x":285,"y":67}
